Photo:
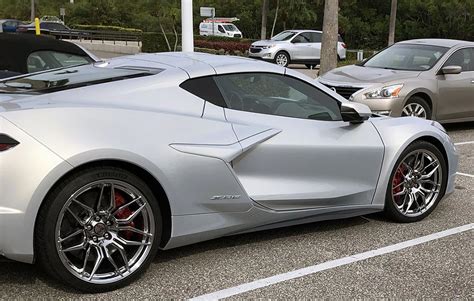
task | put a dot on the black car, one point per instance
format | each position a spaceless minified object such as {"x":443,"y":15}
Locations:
{"x":56,"y":29}
{"x":24,"y":53}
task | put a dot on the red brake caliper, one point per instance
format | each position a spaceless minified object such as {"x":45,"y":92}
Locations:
{"x":123,"y":214}
{"x":397,"y":180}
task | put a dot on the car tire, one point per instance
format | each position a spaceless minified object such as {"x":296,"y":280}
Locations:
{"x":100,"y":257}
{"x":282,"y":58}
{"x":417,"y":107}
{"x":409,"y":176}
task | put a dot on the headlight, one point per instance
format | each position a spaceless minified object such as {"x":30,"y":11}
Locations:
{"x":268,"y":46}
{"x":385,"y":92}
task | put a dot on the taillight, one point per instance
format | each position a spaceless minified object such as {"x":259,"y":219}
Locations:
{"x":344,"y":45}
{"x":7,"y":142}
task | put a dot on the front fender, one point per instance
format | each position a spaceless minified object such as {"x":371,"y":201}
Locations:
{"x":397,"y":134}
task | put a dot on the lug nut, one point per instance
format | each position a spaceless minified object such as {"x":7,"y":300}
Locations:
{"x":107,"y":236}
{"x":94,"y":238}
{"x":89,"y":227}
{"x":108,"y":223}
{"x":97,"y":218}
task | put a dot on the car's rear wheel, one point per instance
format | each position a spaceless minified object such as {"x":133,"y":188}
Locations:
{"x":282,"y":59}
{"x":417,"y":107}
{"x":417,"y":183}
{"x":99,"y":229}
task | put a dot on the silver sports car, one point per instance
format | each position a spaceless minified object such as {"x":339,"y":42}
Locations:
{"x":103,"y":164}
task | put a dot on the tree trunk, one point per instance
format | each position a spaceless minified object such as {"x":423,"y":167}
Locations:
{"x":330,"y":36}
{"x":263,"y":34}
{"x":275,"y":18}
{"x":393,"y":19}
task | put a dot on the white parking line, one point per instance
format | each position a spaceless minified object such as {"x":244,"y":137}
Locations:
{"x":250,"y":286}
{"x":465,"y":174}
{"x":464,"y":143}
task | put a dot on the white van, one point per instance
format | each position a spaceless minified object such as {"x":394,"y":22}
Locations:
{"x":222,"y":28}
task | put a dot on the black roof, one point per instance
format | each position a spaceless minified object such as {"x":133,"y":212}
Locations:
{"x":15,"y":49}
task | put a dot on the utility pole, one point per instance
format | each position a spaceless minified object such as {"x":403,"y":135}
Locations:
{"x":187,"y":38}
{"x":33,"y":13}
{"x":330,"y":36}
{"x":393,"y":20}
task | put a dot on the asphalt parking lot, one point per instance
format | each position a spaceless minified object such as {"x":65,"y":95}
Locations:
{"x":439,"y":268}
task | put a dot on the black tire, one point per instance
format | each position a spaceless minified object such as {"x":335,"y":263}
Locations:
{"x":419,"y":101}
{"x":282,"y":54}
{"x":390,"y":209}
{"x":45,"y":247}
{"x":310,"y":66}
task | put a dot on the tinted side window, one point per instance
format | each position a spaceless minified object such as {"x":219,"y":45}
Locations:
{"x":278,"y":95}
{"x":315,"y":37}
{"x":464,"y":58}
{"x":205,"y":88}
{"x":302,"y":38}
{"x":221,"y":29}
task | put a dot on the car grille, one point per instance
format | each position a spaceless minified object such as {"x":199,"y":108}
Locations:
{"x":345,"y":92}
{"x":237,"y":35}
{"x":255,"y":49}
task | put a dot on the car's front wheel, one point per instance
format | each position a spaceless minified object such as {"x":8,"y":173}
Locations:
{"x":417,"y":183}
{"x":282,"y":59}
{"x":417,"y":107}
{"x":99,"y":229}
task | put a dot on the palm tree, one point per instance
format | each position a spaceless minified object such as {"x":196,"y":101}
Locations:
{"x":263,"y":34}
{"x":393,"y":19}
{"x":330,"y":35}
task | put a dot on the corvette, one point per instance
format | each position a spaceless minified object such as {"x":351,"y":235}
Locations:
{"x":105,"y":163}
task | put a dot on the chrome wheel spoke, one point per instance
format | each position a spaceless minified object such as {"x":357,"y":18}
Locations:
{"x":79,"y":220}
{"x":403,"y":192}
{"x":112,"y":261}
{"x":123,"y":254}
{"x":125,"y":242}
{"x":129,"y":228}
{"x":80,"y":231}
{"x":101,"y":195}
{"x":126,"y":205}
{"x":98,"y":261}
{"x":131,"y":217}
{"x":112,"y":198}
{"x":86,"y":260}
{"x":85,"y":207}
{"x":77,"y":247}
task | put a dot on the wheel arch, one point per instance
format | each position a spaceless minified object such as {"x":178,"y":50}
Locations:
{"x":285,"y":51}
{"x":155,"y":186}
{"x":438,"y":144}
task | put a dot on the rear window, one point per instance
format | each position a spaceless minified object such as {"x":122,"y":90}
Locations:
{"x":73,"y":77}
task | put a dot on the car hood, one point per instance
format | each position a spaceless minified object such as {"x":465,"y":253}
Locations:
{"x":364,"y":76}
{"x":268,"y":42}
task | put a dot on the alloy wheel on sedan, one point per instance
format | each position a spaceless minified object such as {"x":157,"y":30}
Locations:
{"x":282,"y":59}
{"x":415,"y":110}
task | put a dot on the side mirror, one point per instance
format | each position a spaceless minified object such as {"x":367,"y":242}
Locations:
{"x":354,"y":112}
{"x":451,"y":70}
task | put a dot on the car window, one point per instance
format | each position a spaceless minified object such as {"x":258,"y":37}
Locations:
{"x":464,"y":58}
{"x":412,"y":57}
{"x":315,"y":37}
{"x":304,"y":37}
{"x":45,"y":60}
{"x":283,"y":36}
{"x":221,"y":29}
{"x":278,"y":95}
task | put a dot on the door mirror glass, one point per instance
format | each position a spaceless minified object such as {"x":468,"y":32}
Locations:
{"x":355,"y":112}
{"x":451,"y":69}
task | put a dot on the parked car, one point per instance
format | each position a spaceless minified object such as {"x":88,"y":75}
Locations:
{"x":427,"y":78}
{"x":29,"y":53}
{"x":9,"y":25}
{"x":57,"y":29}
{"x":221,"y":27}
{"x":294,"y":47}
{"x":164,"y":150}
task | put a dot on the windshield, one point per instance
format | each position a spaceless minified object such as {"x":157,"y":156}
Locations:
{"x":284,"y":36}
{"x":230,"y":27}
{"x":407,"y":57}
{"x":72,"y":77}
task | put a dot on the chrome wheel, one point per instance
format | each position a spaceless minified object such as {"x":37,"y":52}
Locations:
{"x":416,"y":183}
{"x":104,"y":231}
{"x":281,"y":59}
{"x":415,"y":110}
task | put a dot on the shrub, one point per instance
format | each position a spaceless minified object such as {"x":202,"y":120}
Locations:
{"x":105,"y":28}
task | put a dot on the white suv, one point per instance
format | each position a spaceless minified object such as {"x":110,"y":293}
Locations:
{"x":294,"y":46}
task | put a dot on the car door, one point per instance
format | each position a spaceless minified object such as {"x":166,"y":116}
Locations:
{"x":311,"y":158}
{"x":316,"y":38}
{"x":301,"y":47}
{"x":456,"y":91}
